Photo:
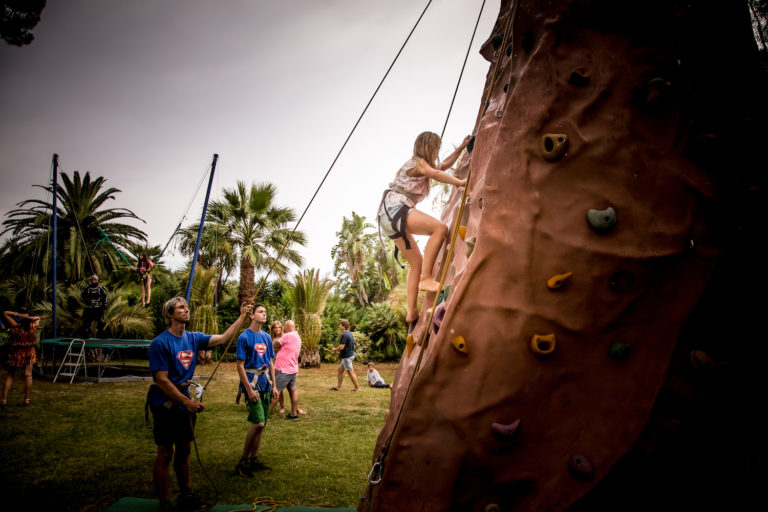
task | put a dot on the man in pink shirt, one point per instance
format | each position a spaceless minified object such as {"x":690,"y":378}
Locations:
{"x":287,"y":367}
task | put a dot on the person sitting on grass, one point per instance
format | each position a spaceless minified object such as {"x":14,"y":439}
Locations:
{"x":172,"y":360}
{"x":374,"y":379}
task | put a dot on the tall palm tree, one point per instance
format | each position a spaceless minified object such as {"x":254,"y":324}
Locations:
{"x":351,"y":252}
{"x":84,"y":226}
{"x":250,"y":228}
{"x":307,"y":296}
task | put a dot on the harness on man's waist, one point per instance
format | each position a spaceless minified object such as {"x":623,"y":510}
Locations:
{"x":183,"y":388}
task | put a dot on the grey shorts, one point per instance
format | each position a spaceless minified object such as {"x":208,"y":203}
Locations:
{"x":346,"y":363}
{"x":284,"y":380}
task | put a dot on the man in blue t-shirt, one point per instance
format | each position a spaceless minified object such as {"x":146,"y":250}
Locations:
{"x":346,"y":350}
{"x":172,"y":359}
{"x":257,"y":375}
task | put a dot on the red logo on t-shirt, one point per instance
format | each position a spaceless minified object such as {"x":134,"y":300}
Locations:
{"x":185,"y":356}
{"x":260,"y":348}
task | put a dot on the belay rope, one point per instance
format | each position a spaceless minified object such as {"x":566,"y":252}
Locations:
{"x":377,"y":470}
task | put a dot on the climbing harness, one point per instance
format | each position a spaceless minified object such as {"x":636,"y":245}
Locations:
{"x":397,"y":222}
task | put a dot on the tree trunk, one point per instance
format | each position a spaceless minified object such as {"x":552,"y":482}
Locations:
{"x":310,"y":358}
{"x":246,"y":290}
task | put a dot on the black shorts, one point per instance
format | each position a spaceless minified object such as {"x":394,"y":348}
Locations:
{"x":174,"y":425}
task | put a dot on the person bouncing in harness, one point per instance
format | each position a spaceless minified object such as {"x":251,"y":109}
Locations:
{"x":257,"y":375}
{"x":144,"y":268}
{"x":400,"y":220}
{"x":95,"y":299}
{"x":172,"y":360}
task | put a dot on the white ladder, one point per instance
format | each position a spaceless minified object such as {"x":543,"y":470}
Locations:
{"x":72,"y":361}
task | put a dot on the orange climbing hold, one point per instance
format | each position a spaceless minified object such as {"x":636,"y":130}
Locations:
{"x":558,"y":280}
{"x":459,"y":344}
{"x":462,"y":231}
{"x":409,"y":343}
{"x":543,"y":344}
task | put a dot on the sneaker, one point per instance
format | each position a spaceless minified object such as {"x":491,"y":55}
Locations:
{"x":291,"y":417}
{"x":243,"y":468}
{"x":255,"y":465}
{"x":192,"y":503}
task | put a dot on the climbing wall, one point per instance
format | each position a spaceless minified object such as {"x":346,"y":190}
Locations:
{"x":592,"y":227}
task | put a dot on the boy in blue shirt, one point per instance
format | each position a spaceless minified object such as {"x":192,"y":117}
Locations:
{"x":255,"y":353}
{"x":172,"y":360}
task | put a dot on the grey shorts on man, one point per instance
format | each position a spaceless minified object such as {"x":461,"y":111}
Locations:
{"x":284,"y":380}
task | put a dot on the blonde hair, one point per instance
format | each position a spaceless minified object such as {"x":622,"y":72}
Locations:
{"x":427,"y":146}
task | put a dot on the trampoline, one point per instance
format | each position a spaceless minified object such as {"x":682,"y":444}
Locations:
{"x":99,"y":350}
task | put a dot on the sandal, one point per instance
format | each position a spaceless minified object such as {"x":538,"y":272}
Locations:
{"x":26,"y":402}
{"x":333,"y":388}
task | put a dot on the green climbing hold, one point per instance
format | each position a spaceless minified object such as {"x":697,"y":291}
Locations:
{"x":554,"y":146}
{"x":444,"y":294}
{"x":508,"y":51}
{"x":471,"y":144}
{"x":602,"y":221}
{"x":618,"y":351}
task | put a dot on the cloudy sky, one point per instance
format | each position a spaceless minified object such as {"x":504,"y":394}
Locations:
{"x":144,"y":92}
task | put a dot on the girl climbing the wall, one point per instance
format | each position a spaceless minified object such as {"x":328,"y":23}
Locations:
{"x":399,"y":219}
{"x":144,"y":268}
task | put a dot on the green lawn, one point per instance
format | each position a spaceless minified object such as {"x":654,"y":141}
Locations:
{"x":82,"y":446}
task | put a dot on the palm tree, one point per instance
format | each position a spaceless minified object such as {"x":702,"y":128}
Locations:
{"x":307,"y":296}
{"x":86,"y":229}
{"x":350,"y":254}
{"x":247,"y":226}
{"x":202,"y":305}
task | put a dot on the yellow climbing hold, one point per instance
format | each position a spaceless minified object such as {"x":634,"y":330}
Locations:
{"x":558,"y":280}
{"x":554,"y":146}
{"x":409,"y":343}
{"x":543,"y":344}
{"x":462,"y":231}
{"x":459,"y":344}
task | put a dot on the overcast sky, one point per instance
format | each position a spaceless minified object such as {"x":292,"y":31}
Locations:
{"x":144,"y":92}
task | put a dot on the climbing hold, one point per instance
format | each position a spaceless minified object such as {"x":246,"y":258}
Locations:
{"x":700,"y":359}
{"x":543,"y":344}
{"x":444,"y":294}
{"x":462,"y":231}
{"x":480,"y":203}
{"x":499,"y":113}
{"x":602,"y":221}
{"x":581,"y":468}
{"x":505,"y":432}
{"x":459,"y":344}
{"x":554,"y":146}
{"x":437,"y":317}
{"x":409,"y":343}
{"x":558,"y":280}
{"x":492,"y":507}
{"x":497,"y":40}
{"x":471,"y":144}
{"x":656,"y":89}
{"x":470,"y":241}
{"x":580,"y":76}
{"x":618,"y":351}
{"x":506,"y":87}
{"x":621,"y":281}
{"x":508,"y":51}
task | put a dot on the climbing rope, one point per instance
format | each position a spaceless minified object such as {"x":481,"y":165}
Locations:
{"x":269,"y":505}
{"x":377,"y":470}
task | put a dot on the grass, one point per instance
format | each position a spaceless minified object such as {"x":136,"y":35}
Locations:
{"x":83,"y":446}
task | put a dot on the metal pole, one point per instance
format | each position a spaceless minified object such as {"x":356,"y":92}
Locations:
{"x":54,"y":213}
{"x":200,"y":230}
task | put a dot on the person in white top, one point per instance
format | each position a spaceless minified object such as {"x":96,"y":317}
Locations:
{"x":400,"y":220}
{"x":374,"y":379}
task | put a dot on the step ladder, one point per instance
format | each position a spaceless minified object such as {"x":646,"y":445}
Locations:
{"x":73,"y":359}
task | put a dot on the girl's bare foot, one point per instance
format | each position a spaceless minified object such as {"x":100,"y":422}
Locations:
{"x":429,"y":285}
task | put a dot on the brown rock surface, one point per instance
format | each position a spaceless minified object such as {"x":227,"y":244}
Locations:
{"x":638,"y":142}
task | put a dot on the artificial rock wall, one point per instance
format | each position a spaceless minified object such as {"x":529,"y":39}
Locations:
{"x":596,"y":218}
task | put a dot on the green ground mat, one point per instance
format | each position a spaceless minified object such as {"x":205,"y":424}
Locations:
{"x":147,"y":505}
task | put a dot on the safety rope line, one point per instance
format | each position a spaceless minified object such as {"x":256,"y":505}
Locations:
{"x":461,"y":74}
{"x":79,"y":229}
{"x":317,"y":190}
{"x":379,"y":464}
